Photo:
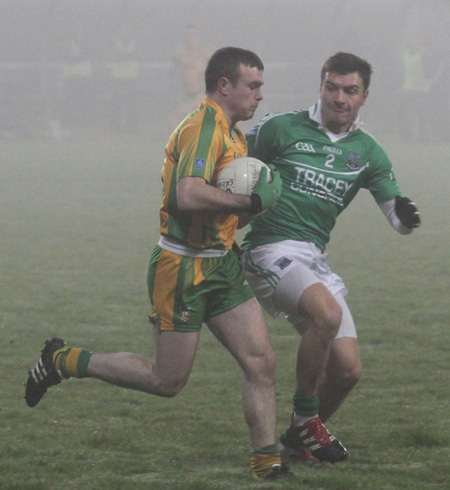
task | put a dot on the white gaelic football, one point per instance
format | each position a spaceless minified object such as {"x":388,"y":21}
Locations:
{"x":240,"y":175}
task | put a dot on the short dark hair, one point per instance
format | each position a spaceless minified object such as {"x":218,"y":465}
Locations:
{"x":345,"y":63}
{"x":225,"y":62}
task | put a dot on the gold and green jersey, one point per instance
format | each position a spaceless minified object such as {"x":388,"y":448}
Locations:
{"x":201,"y":146}
{"x":321,"y":174}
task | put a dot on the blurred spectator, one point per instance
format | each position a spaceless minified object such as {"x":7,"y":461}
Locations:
{"x":76,"y":102}
{"x":124,"y":89}
{"x":416,"y":87}
{"x":440,"y":104}
{"x":191,"y":58}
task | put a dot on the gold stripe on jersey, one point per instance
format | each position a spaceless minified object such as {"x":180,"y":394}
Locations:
{"x":200,"y":147}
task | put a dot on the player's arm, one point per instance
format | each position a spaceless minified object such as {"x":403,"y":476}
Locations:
{"x":400,"y":211}
{"x":402,"y":214}
{"x":195,"y":194}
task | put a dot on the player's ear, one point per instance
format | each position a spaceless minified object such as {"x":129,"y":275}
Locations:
{"x":223,"y":85}
{"x":365,"y":95}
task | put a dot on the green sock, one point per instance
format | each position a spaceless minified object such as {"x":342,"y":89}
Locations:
{"x":73,"y":362}
{"x":272,"y":449}
{"x":306,"y":405}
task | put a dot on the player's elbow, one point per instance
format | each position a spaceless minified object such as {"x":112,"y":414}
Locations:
{"x":187,"y":193}
{"x":184,"y":203}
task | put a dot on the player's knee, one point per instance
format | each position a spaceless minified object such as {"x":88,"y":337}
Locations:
{"x":261,"y":367}
{"x":270,"y":363}
{"x":328,"y":322}
{"x":354,"y":374}
{"x":168,"y":388}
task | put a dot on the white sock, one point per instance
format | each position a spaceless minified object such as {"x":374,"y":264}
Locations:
{"x":300,"y":419}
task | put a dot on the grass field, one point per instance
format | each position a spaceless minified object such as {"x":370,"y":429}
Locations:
{"x":78,"y":221}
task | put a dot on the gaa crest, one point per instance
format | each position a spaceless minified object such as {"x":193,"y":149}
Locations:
{"x":185,"y":314}
{"x":353,"y":161}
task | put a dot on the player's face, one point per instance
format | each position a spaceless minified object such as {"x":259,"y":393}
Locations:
{"x":341,"y":96}
{"x":246,"y":94}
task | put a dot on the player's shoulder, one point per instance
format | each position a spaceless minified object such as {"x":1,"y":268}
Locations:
{"x":363,"y":135}
{"x":206,"y":115}
{"x":369,"y":140}
{"x":279,"y":118}
{"x":376,"y":152}
{"x":276,"y":122}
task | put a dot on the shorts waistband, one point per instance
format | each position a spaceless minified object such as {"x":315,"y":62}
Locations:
{"x":187,"y":251}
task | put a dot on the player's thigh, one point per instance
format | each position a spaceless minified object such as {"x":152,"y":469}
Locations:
{"x":344,"y":360}
{"x":301,"y":292}
{"x":347,"y":328}
{"x":323,"y":302}
{"x":266,"y":266}
{"x":174,"y":354}
{"x":243,"y":331}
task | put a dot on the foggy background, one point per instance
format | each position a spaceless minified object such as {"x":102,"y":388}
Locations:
{"x":80,"y":190}
{"x":293,"y":38}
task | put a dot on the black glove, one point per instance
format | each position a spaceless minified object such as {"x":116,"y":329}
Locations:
{"x":407,"y":212}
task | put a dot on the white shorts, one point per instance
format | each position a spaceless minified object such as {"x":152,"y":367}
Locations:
{"x":279,"y":273}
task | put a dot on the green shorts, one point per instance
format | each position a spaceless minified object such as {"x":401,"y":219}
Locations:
{"x":187,"y":291}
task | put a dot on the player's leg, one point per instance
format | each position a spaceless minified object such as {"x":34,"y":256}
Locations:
{"x":176,"y":331}
{"x":302,"y":296}
{"x":317,"y":304}
{"x":320,"y":306}
{"x":176,"y":338}
{"x":284,"y":276}
{"x":344,"y":366}
{"x":234,"y":316}
{"x":343,"y":372}
{"x":164,"y":375}
{"x":243,"y":332}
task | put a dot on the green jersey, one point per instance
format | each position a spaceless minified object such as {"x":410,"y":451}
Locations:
{"x":321,"y":174}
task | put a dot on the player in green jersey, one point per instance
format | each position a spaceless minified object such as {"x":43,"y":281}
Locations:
{"x":194,"y":275}
{"x":324,"y":158}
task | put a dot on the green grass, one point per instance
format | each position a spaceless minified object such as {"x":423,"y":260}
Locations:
{"x":78,"y":221}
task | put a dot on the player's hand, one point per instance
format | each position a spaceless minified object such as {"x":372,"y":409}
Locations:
{"x":265,"y":194}
{"x":407,"y":212}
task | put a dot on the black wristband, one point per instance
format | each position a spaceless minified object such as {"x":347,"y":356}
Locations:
{"x":256,"y":205}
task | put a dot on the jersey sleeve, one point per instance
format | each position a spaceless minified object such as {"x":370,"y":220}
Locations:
{"x":382,"y":183}
{"x":199,"y":146}
{"x":262,"y":141}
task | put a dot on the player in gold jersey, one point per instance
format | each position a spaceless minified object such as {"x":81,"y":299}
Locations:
{"x":194,"y":275}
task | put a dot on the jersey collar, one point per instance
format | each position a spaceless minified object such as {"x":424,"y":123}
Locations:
{"x":315,"y":114}
{"x":218,"y":109}
{"x":222,"y":118}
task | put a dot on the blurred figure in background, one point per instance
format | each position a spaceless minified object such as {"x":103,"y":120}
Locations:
{"x":416,"y":88}
{"x":190,"y":59}
{"x":439,"y":108}
{"x":75,"y":101}
{"x":123,"y":94}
